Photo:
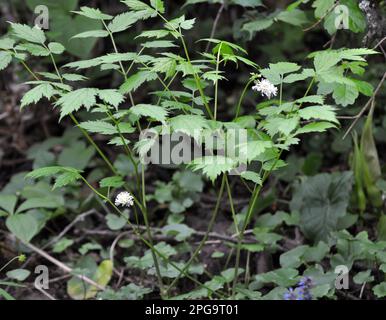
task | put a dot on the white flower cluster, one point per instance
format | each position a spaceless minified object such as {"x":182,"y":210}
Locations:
{"x":124,"y":199}
{"x":265,"y":87}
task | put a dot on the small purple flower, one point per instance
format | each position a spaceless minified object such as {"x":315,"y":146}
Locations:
{"x":302,"y":292}
{"x":290,"y":294}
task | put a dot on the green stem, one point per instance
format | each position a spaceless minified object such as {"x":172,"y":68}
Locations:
{"x":242,"y":97}
{"x":146,"y":242}
{"x":216,"y":84}
{"x":202,"y":243}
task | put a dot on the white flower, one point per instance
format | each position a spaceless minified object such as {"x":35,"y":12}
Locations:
{"x":124,"y":199}
{"x":265,"y":87}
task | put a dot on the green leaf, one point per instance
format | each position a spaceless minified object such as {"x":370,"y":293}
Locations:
{"x":91,"y":34}
{"x":56,"y":47}
{"x":181,"y":232}
{"x":60,"y":32}
{"x":5,"y":59}
{"x":151,"y":111}
{"x":325,"y":60}
{"x":6,"y":43}
{"x":159,"y":44}
{"x":257,"y":25}
{"x":158,"y":34}
{"x":321,"y":200}
{"x":49,"y":171}
{"x":345,"y":94}
{"x":380,"y":290}
{"x":72,"y":101}
{"x":306,"y":73}
{"x":318,"y":99}
{"x":136,"y":80}
{"x":27,"y":33}
{"x":34,"y":95}
{"x":322,"y":7}
{"x":213,"y":166}
{"x":315,"y":127}
{"x":18,"y":274}
{"x":39,"y":202}
{"x":283,"y":125}
{"x":62,"y":245}
{"x":34,"y":49}
{"x":8,"y":203}
{"x":73,"y":77}
{"x":250,"y":150}
{"x":65,"y":179}
{"x":23,"y":226}
{"x":115,"y":222}
{"x":294,"y":17}
{"x":292,"y":258}
{"x":158,"y":5}
{"x":93,"y":13}
{"x":251,"y":176}
{"x":191,"y":125}
{"x":123,"y":21}
{"x":362,"y":277}
{"x":324,"y":112}
{"x":112,"y":182}
{"x":111,"y":96}
{"x":99,"y":126}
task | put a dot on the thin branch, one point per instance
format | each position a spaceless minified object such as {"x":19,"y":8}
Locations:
{"x":62,"y":266}
{"x":215,"y":23}
{"x":359,"y":115}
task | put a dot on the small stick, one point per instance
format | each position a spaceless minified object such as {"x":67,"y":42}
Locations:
{"x":62,"y":266}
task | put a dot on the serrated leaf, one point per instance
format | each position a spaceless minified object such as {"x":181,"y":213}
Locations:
{"x":311,"y":99}
{"x":158,"y":5}
{"x":34,"y":49}
{"x":315,"y":127}
{"x":36,"y":94}
{"x":123,"y":21}
{"x":345,"y":94}
{"x":49,"y":171}
{"x":5,"y":59}
{"x":72,"y":101}
{"x":151,"y":111}
{"x":6,"y":43}
{"x":91,"y":34}
{"x":213,"y":166}
{"x":191,"y":125}
{"x":73,"y":77}
{"x":158,"y":34}
{"x":159,"y":44}
{"x":27,"y":33}
{"x":283,"y":125}
{"x":112,"y":182}
{"x":66,"y":179}
{"x":324,"y":112}
{"x":257,"y":25}
{"x":136,"y":80}
{"x":251,"y":176}
{"x":93,"y":13}
{"x":111,"y":96}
